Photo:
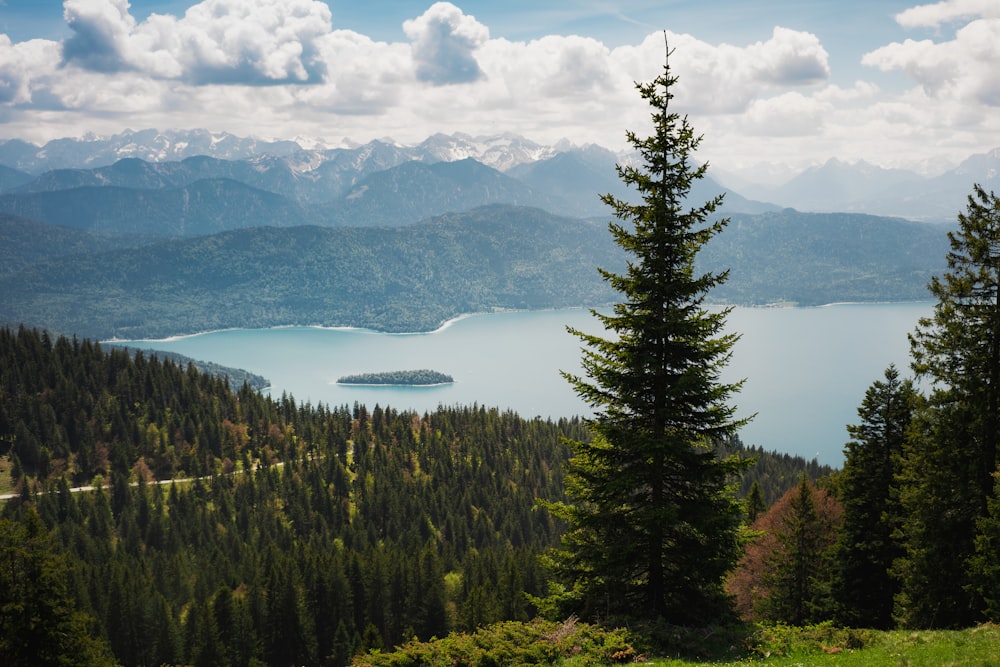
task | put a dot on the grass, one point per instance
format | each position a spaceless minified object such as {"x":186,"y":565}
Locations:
{"x":803,"y":647}
{"x":6,"y":483}
{"x":573,"y":644}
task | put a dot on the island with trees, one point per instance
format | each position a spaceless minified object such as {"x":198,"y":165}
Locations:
{"x":422,"y":377}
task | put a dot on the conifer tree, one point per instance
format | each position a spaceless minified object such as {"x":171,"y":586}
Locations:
{"x":797,"y":574}
{"x":652,"y":523}
{"x":869,"y":542}
{"x":949,"y":470}
{"x":754,"y":502}
{"x":40,"y":624}
{"x":984,"y":564}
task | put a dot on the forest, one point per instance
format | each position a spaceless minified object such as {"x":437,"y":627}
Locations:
{"x":414,"y":278}
{"x":294,"y":534}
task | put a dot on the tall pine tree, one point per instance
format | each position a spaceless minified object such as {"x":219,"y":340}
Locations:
{"x":652,"y":523}
{"x":949,"y":470}
{"x":869,"y":544}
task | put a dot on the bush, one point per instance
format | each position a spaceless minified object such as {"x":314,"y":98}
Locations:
{"x":511,"y":643}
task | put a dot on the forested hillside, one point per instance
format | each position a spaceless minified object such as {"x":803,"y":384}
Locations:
{"x":27,"y":242}
{"x":309,"y":533}
{"x":204,"y":207}
{"x":413,"y":278}
{"x":401,"y":279}
{"x":817,"y":258}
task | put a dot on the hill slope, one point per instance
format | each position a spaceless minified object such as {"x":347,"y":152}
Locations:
{"x":204,"y":207}
{"x":396,"y":279}
{"x":414,"y":277}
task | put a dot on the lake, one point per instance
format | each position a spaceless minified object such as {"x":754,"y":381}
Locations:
{"x":806,"y":369}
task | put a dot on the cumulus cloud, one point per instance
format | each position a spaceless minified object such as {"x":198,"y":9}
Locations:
{"x":553,"y":67}
{"x":23,"y":66}
{"x":364,"y":77}
{"x":216,"y":41}
{"x":725,"y":78}
{"x":444,"y":41}
{"x":948,"y":11}
{"x":101,"y":30}
{"x":790,"y":114}
{"x":963,"y":68}
{"x":790,"y":57}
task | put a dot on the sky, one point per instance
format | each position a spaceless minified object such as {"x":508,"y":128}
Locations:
{"x":786,"y":82}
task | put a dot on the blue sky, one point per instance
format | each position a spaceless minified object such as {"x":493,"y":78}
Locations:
{"x":892,"y":82}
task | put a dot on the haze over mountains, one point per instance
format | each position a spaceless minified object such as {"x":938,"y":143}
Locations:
{"x":153,"y":234}
{"x":564,"y":175}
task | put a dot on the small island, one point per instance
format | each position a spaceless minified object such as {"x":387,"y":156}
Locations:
{"x":422,"y":377}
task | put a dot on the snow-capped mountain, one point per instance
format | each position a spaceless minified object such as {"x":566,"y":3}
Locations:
{"x":312,"y":172}
{"x":502,"y":151}
{"x":92,"y":151}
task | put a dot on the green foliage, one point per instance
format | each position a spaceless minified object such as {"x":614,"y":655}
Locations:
{"x":652,"y":524}
{"x":947,"y":475}
{"x":768,"y":645}
{"x":797,"y":573}
{"x":984,"y":565}
{"x":811,"y":259}
{"x":782,"y":639}
{"x":103,"y":286}
{"x":825,"y":644}
{"x":40,"y":622}
{"x":423,"y":376}
{"x":492,"y":258}
{"x":754,"y":504}
{"x":869,"y":542}
{"x":786,"y":570}
{"x":536,"y":643}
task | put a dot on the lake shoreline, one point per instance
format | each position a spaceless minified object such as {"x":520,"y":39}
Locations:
{"x":806,"y":368}
{"x":446,"y":324}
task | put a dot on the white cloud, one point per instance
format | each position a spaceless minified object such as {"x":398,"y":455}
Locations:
{"x":790,"y":114}
{"x":963,"y":69}
{"x":725,"y":78}
{"x":552,"y":67}
{"x":279,"y":68}
{"x":101,"y":31}
{"x":948,"y":11}
{"x":216,"y":41}
{"x":23,"y":66}
{"x":363,"y":76}
{"x":444,"y":44}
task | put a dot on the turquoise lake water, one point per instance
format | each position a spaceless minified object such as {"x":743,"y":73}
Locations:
{"x":806,"y":369}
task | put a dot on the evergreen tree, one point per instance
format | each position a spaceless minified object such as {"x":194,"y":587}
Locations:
{"x":869,"y":542}
{"x":755,"y":505}
{"x":652,"y":524}
{"x":40,"y":623}
{"x":797,"y":574}
{"x":949,"y":470}
{"x":985,"y":564}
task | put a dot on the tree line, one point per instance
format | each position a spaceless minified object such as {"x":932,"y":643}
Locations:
{"x":908,"y":533}
{"x":304,"y":534}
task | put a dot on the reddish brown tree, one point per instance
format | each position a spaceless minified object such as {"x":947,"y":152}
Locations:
{"x":785,"y":572}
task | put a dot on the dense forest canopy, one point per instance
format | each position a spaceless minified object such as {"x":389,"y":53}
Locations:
{"x":303,"y":533}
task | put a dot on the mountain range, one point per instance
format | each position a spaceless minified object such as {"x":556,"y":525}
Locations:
{"x":374,"y":185}
{"x":311,"y":173}
{"x":394,"y":238}
{"x":414,"y":277}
